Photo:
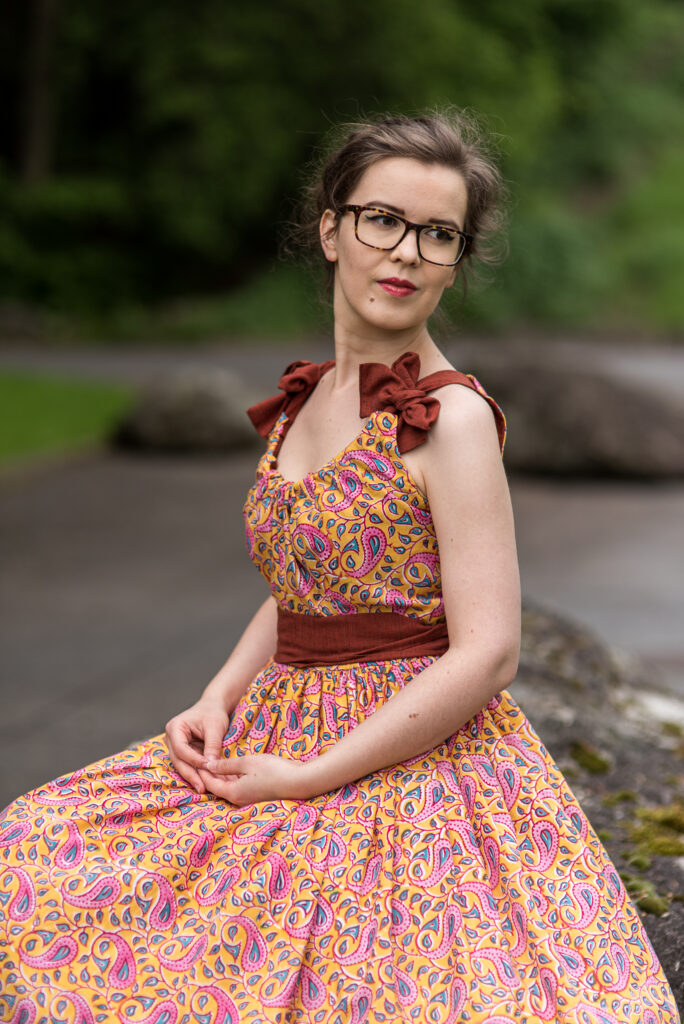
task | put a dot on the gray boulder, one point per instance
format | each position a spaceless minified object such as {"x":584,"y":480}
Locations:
{"x":570,"y":422}
{"x":193,"y":409}
{"x":618,"y":738}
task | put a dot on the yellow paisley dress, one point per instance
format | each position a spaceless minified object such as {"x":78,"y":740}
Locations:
{"x":463,"y":886}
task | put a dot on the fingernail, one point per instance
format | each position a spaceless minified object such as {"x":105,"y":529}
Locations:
{"x":211,"y":765}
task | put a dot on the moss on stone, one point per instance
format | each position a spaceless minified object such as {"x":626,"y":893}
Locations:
{"x":605,"y":835}
{"x":652,"y":904}
{"x":620,"y":796}
{"x":644,"y":894}
{"x":638,"y":859}
{"x":660,"y":830}
{"x":589,"y":758}
{"x":672,"y":729}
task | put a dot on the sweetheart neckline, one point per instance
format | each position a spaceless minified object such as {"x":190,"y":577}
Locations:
{"x":273,"y":470}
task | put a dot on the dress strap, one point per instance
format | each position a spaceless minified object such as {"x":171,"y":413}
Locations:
{"x":399,"y":390}
{"x":298,"y":381}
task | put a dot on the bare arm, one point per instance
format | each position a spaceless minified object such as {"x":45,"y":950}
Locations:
{"x":471,"y":509}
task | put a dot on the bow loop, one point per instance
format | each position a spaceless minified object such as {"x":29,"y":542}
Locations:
{"x":297,"y":383}
{"x":398,"y":389}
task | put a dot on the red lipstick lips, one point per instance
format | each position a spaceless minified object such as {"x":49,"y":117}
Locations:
{"x":396,"y":286}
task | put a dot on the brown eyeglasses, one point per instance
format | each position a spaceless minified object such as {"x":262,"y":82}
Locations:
{"x":380,"y":229}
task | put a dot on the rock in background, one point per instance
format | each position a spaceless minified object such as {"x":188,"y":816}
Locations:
{"x":620,"y":745}
{"x":568,"y":422}
{"x":192,"y":409}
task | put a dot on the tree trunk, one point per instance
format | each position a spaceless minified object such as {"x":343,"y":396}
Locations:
{"x":38,"y":126}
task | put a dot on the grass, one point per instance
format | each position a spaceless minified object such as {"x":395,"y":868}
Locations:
{"x":47,"y":415}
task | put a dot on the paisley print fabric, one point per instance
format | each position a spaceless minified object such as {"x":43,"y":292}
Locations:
{"x":464,"y":885}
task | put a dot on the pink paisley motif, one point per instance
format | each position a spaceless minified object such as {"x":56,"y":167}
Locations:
{"x":24,"y":1013}
{"x":360,"y":1005}
{"x":312,"y":989}
{"x":519,"y":922}
{"x":484,"y":768}
{"x":467,"y":836}
{"x":293,"y":721}
{"x":102,"y":893}
{"x":490,"y":851}
{"x":51,"y":796}
{"x":83,"y":1014}
{"x":280,"y":881}
{"x":58,"y":953}
{"x":434,"y":800}
{"x":545,"y":836}
{"x":254,"y":950}
{"x":459,"y":995}
{"x":201,"y":851}
{"x":509,"y":780}
{"x":271,"y":995}
{"x":23,"y":904}
{"x":401,"y":919}
{"x":373,"y":542}
{"x":613,"y":969}
{"x":502,"y":964}
{"x":165,"y":1012}
{"x":14,"y":832}
{"x":253,"y":832}
{"x":525,"y":749}
{"x":448,"y":923}
{"x":262,"y":724}
{"x":70,"y":853}
{"x":570,"y":960}
{"x":226,"y":1010}
{"x":430,"y":561}
{"x":468,"y":790}
{"x":163,"y":913}
{"x":379,"y":465}
{"x":122,"y":973}
{"x":484,"y":895}
{"x":362,"y":951}
{"x":440,"y":859}
{"x":363,"y":880}
{"x":130,"y":784}
{"x":350,"y":485}
{"x":212,"y":889}
{"x":185,"y":962}
{"x":546,"y":990}
{"x":585,"y":898}
{"x":405,"y":987}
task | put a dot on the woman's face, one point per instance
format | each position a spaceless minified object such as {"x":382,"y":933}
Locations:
{"x":364,"y":293}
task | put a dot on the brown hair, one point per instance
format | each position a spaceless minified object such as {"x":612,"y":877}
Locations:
{"x":451,"y":137}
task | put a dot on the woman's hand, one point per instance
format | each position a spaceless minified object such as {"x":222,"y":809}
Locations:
{"x":253,"y":778}
{"x":195,"y":736}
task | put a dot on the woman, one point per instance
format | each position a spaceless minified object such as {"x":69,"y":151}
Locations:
{"x":355,"y":822}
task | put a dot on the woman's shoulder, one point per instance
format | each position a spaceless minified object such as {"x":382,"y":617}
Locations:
{"x":467,"y":409}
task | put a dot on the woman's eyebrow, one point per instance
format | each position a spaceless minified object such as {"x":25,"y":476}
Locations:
{"x":446,"y":221}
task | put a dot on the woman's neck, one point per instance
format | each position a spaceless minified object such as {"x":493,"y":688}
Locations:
{"x":353,"y":349}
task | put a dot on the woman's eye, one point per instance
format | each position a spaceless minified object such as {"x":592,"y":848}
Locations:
{"x":439,"y":234}
{"x":383,"y":220}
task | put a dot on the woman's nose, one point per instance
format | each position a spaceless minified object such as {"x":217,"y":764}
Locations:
{"x":407,"y":250}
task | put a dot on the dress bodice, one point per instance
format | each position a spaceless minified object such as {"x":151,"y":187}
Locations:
{"x":355,"y":536}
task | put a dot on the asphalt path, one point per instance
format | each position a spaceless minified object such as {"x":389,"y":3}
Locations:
{"x":125,"y":581}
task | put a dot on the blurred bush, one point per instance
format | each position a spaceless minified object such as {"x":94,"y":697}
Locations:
{"x":149,"y":151}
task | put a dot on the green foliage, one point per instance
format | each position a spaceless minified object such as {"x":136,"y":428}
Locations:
{"x":45,"y":415}
{"x":175,"y":135}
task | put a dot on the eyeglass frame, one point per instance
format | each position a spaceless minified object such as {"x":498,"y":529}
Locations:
{"x":357,"y":208}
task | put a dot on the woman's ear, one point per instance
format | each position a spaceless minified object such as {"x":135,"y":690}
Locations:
{"x":328,"y":232}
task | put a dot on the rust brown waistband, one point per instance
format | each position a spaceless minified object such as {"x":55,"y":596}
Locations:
{"x":305,"y":640}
